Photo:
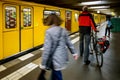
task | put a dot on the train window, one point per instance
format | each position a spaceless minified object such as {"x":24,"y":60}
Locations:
{"x":27,"y":17}
{"x":58,"y":13}
{"x":68,"y":15}
{"x":76,"y":17}
{"x":10,"y":17}
{"x":96,"y":17}
{"x":47,"y":12}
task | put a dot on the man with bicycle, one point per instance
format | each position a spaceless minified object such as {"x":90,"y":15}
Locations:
{"x":86,"y":22}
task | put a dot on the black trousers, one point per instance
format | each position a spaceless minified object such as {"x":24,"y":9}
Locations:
{"x":107,"y":30}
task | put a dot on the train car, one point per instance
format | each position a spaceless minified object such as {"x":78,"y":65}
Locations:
{"x":103,"y":18}
{"x":99,"y":18}
{"x":21,"y":26}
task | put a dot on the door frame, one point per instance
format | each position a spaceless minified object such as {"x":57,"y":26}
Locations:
{"x":22,"y":28}
{"x":10,"y":34}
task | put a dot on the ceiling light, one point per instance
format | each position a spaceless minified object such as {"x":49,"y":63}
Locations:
{"x":99,"y":7}
{"x":102,"y":9}
{"x":98,"y":11}
{"x":93,"y":2}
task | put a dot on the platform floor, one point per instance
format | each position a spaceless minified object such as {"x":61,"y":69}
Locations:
{"x":27,"y":66}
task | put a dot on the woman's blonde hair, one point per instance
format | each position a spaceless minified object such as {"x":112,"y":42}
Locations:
{"x":52,"y":19}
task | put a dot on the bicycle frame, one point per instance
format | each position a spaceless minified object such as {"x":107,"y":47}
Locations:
{"x":95,"y":48}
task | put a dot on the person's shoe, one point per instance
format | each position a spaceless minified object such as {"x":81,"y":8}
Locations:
{"x":81,"y":55}
{"x":87,"y":62}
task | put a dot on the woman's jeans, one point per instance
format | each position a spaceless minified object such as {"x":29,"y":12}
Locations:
{"x":84,"y":45}
{"x":56,"y":75}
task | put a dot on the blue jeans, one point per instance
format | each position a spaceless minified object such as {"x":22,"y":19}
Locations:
{"x":84,"y":45}
{"x":56,"y":75}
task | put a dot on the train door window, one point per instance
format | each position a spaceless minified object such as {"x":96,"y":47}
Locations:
{"x":10,"y":17}
{"x":27,"y":17}
{"x":47,"y":12}
{"x":68,"y":20}
{"x":58,"y":13}
{"x":76,"y":17}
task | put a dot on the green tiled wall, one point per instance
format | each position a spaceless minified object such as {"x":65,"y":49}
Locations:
{"x":116,"y":24}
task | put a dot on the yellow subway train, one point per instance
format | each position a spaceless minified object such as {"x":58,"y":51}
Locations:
{"x":21,"y":26}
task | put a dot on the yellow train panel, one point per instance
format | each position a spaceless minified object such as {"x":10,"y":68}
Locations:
{"x":51,"y":8}
{"x":10,"y":35}
{"x":75,"y":26}
{"x":99,"y":19}
{"x":96,"y":18}
{"x":26,"y":39}
{"x":1,"y":42}
{"x":20,"y":2}
{"x":39,"y":28}
{"x":103,"y":18}
{"x":26,"y":27}
{"x":62,"y":11}
{"x":11,"y":43}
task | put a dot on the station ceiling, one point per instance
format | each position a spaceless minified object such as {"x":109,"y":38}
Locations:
{"x":109,"y":7}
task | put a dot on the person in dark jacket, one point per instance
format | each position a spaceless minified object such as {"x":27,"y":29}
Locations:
{"x":86,"y":22}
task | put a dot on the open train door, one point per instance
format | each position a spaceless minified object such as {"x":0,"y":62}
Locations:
{"x":26,"y":29}
{"x":68,"y":20}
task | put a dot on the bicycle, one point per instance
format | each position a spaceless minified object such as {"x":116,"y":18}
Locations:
{"x":95,"y":47}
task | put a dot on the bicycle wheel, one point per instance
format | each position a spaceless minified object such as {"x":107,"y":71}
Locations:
{"x":99,"y":56}
{"x":92,"y":45}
